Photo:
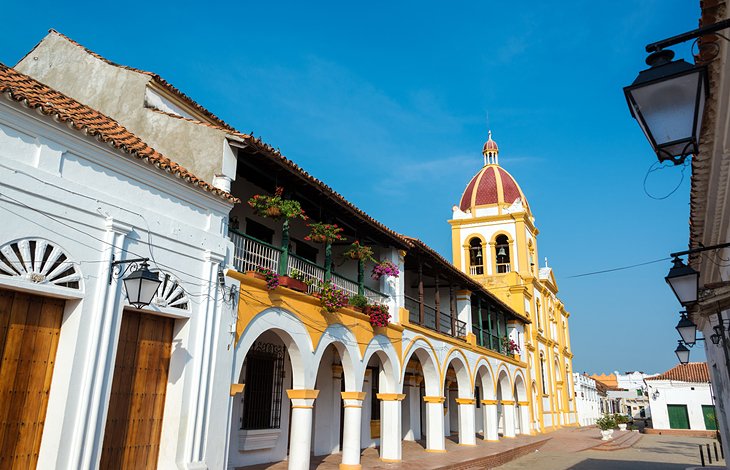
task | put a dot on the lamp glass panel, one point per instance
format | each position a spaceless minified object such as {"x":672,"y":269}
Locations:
{"x":688,"y":333}
{"x":682,"y":355}
{"x":148,"y":290}
{"x":684,"y":287}
{"x":132,"y":286}
{"x":668,"y":107}
{"x":700,"y":109}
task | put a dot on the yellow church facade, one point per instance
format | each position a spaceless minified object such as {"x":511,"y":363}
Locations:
{"x":494,"y":241}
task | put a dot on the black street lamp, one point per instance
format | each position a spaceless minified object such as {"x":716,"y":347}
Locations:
{"x":687,"y":330}
{"x":682,"y":353}
{"x":684,"y":282}
{"x":141,"y":284}
{"x":668,"y":101}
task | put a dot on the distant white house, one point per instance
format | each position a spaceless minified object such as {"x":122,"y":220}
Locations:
{"x":587,"y":398}
{"x":681,"y":398}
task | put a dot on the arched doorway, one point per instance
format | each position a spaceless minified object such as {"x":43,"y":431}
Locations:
{"x":459,"y":400}
{"x":381,"y":410}
{"x":486,"y":404}
{"x":506,"y":404}
{"x":424,"y":402}
{"x":522,"y":407}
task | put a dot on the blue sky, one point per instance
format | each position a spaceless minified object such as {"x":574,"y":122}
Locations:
{"x":390,"y":104}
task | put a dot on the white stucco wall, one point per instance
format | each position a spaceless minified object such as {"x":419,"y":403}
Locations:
{"x":665,"y":392}
{"x":93,"y":202}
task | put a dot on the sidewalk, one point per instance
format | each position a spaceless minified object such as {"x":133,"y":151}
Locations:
{"x":414,"y":457}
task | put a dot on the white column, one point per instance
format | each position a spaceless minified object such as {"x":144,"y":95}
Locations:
{"x":435,"y":441}
{"x":352,"y":401}
{"x":413,"y":396}
{"x":390,"y":432}
{"x":300,"y":444}
{"x":490,"y":420}
{"x":508,"y":408}
{"x":524,"y":417}
{"x":467,"y":431}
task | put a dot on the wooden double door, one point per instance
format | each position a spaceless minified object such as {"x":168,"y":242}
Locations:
{"x":29,"y":330}
{"x":134,"y":419}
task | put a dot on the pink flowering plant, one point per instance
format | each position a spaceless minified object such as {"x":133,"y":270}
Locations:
{"x":330,"y":297}
{"x":276,"y":206}
{"x":324,"y":233}
{"x":378,"y":314}
{"x":510,"y":346}
{"x":359,"y":252}
{"x":272,"y":279}
{"x":384,"y":268}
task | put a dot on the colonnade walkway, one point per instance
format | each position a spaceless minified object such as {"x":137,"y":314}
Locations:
{"x":485,"y":454}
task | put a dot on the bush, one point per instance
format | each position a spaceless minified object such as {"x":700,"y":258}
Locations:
{"x":620,"y":419}
{"x":605,"y":423}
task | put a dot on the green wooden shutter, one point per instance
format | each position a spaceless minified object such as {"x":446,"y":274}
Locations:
{"x":708,"y":412}
{"x":678,"y":417}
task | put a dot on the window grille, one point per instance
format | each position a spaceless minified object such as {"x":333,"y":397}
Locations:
{"x":264,"y":386}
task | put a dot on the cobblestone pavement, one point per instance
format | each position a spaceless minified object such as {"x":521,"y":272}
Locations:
{"x":570,"y":449}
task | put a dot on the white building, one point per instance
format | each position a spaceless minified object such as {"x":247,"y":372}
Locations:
{"x":681,"y":398}
{"x":587,"y":398}
{"x":91,"y":381}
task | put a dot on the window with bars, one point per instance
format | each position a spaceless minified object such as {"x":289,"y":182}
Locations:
{"x":264,"y":379}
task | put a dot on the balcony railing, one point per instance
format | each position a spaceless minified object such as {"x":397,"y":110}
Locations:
{"x":447,"y":325}
{"x":251,"y":253}
{"x":476,"y":270}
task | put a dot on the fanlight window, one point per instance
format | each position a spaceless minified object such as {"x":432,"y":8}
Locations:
{"x":39,"y":262}
{"x":476,"y":257}
{"x":502,"y":254}
{"x":170,"y":294}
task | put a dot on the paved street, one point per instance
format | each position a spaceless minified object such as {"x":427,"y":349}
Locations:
{"x":571,"y":449}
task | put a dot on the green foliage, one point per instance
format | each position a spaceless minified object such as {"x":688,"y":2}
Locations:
{"x":620,"y":418}
{"x":359,"y":301}
{"x":605,"y":423}
{"x":276,"y":206}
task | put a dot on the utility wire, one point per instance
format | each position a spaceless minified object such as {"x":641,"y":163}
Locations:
{"x":619,"y":269}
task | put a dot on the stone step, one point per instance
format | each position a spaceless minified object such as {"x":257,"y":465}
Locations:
{"x":495,"y":460}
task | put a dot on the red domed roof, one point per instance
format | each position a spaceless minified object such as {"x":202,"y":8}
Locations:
{"x":492,"y":185}
{"x":490,"y":145}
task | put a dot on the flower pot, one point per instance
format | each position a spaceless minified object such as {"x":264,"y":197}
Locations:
{"x":517,"y":356}
{"x":622,"y":427}
{"x":255,"y":275}
{"x":294,"y":284}
{"x":606,"y":435}
{"x":273,"y":211}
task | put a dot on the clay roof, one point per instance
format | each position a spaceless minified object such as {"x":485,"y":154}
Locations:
{"x":33,"y":94}
{"x":491,"y":185}
{"x":696,"y":372}
{"x":157,"y":79}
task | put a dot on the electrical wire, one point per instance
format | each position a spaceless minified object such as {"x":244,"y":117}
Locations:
{"x":664,"y":167}
{"x":593,"y":273}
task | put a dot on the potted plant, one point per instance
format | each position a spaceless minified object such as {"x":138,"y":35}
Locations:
{"x":621,"y":420}
{"x":606,"y":425}
{"x":331,"y":298}
{"x":378,"y":314}
{"x":358,"y":302}
{"x":510,"y":346}
{"x":266,"y":274}
{"x":357,"y":251}
{"x":384,"y":268}
{"x":276,"y":206}
{"x":296,"y":280}
{"x":324,"y":233}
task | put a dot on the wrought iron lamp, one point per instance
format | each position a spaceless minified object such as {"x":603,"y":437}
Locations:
{"x":141,"y":284}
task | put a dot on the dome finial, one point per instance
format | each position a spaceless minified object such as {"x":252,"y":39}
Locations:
{"x":490,"y":151}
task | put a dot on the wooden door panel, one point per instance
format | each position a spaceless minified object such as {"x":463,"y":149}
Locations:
{"x":29,"y":329}
{"x":134,"y":420}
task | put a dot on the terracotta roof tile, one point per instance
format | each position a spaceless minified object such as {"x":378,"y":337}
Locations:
{"x":33,"y":94}
{"x":696,"y":372}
